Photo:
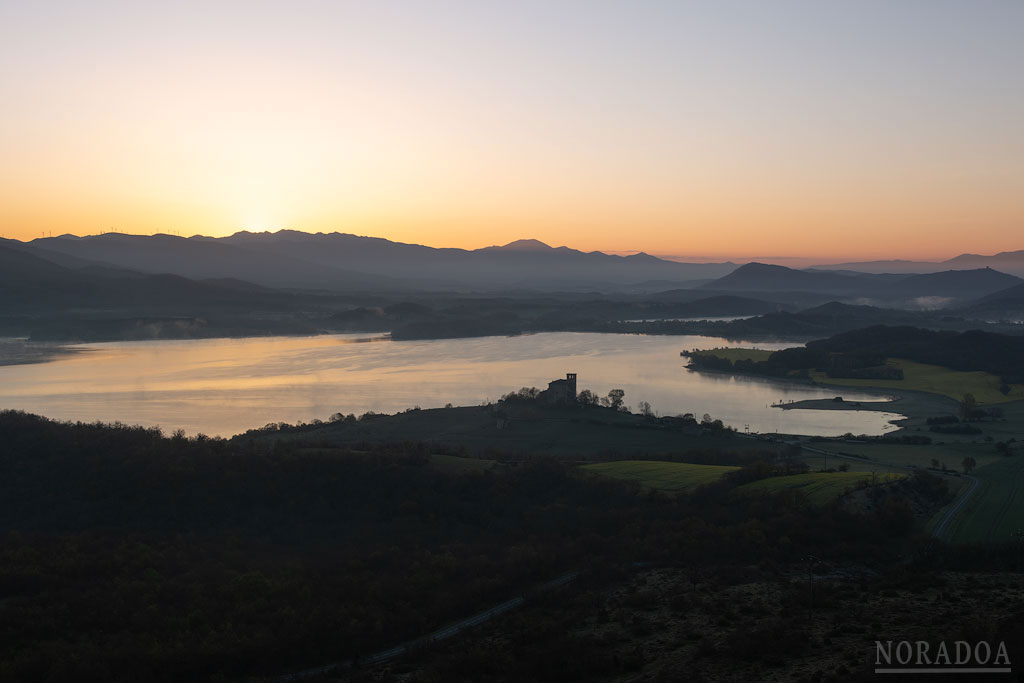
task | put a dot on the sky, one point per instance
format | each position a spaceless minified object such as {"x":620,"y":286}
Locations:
{"x":855,"y":129}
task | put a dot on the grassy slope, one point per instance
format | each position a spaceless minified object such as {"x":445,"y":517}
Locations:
{"x":900,"y":455}
{"x":934,"y":379}
{"x":916,"y":376}
{"x":663,"y":476}
{"x":994,"y":512}
{"x":818,"y":487}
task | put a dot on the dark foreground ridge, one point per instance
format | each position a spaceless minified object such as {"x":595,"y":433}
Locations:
{"x":172,"y":558}
{"x":519,"y":429}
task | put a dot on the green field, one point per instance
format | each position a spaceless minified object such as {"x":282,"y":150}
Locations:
{"x":663,"y":476}
{"x":819,"y":487}
{"x":936,"y":380}
{"x":735,"y":354}
{"x":995,"y":512}
{"x":949,"y":455}
{"x":455,"y":463}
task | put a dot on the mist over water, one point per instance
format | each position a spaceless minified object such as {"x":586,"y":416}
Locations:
{"x":225,"y":386}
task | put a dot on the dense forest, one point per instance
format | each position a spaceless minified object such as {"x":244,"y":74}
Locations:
{"x":129,"y":555}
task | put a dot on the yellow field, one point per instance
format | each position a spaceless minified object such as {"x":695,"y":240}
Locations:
{"x":936,"y":380}
{"x":818,"y":487}
{"x":663,"y":476}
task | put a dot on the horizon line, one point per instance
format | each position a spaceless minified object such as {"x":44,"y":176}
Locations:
{"x":674,"y":257}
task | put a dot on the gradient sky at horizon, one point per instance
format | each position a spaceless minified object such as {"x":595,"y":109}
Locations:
{"x":845,"y":130}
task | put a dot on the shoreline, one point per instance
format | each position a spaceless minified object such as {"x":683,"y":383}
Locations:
{"x":24,"y":352}
{"x":913,"y":406}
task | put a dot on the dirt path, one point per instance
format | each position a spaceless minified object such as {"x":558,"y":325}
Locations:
{"x":440,"y":634}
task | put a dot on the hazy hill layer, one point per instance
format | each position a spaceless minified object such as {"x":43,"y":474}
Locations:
{"x":30,"y":283}
{"x":339,"y":261}
{"x":754,"y":277}
{"x":201,"y":258}
{"x":943,"y":287}
{"x":954,"y":283}
{"x":1006,"y":304}
{"x":1007,"y":261}
{"x":526,"y":264}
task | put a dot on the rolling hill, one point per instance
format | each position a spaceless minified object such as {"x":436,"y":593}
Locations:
{"x":32,"y":284}
{"x":762,"y":277}
{"x":960,"y":284}
{"x":1006,"y":304}
{"x":928,"y":290}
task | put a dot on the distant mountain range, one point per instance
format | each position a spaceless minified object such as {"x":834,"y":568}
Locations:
{"x":204,"y":258}
{"x":131,"y":287}
{"x":351,"y":264}
{"x":1011,"y":262}
{"x":337,"y":261}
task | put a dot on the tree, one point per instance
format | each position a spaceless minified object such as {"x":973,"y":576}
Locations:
{"x":967,"y":407}
{"x":588,"y":398}
{"x":645,"y":409}
{"x":614,"y":398}
{"x":968,"y":464}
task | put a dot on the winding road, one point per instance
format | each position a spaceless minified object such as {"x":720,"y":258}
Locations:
{"x":940,"y":529}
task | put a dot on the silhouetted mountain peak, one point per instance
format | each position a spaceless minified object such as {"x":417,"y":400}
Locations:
{"x":755,"y":267}
{"x":643,"y":257}
{"x":756,"y":276}
{"x":525,"y":245}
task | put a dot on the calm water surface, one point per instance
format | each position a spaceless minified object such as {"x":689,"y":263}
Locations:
{"x":225,"y":386}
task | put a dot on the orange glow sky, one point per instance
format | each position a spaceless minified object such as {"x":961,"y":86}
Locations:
{"x":837,"y":130}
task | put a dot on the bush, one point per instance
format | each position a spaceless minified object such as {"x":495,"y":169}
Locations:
{"x":955,"y":429}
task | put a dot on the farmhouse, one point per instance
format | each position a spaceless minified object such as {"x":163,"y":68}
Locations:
{"x":561,"y":391}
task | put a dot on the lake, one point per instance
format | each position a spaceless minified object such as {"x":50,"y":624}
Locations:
{"x":225,"y":386}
